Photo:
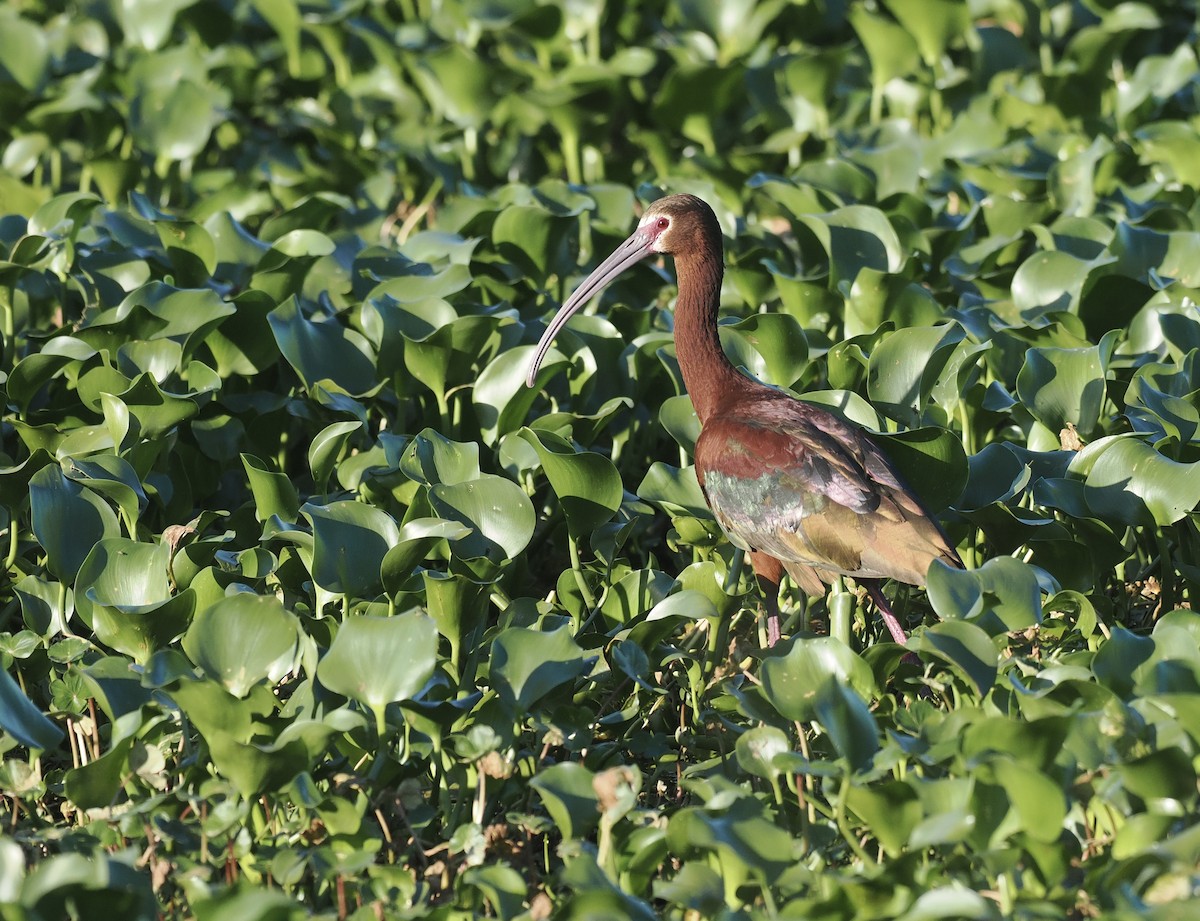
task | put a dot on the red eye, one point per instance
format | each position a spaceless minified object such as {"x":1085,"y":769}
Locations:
{"x":663,"y":223}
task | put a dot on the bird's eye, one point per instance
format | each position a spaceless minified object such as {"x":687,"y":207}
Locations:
{"x":663,"y":223}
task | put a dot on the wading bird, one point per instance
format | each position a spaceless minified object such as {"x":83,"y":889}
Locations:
{"x":792,"y":484}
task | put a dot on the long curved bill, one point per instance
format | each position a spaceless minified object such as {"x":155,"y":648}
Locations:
{"x":633,"y":250}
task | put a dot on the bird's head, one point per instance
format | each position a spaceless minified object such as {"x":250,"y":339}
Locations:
{"x":672,"y":226}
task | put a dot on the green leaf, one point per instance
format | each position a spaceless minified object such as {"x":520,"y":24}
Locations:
{"x":854,"y":238}
{"x":123,"y":590}
{"x":567,"y":792}
{"x":890,"y":811}
{"x":380,"y":660}
{"x":326,"y":448}
{"x":243,"y":639}
{"x":432,"y":458}
{"x":587,"y":484}
{"x":497,"y":511}
{"x":322,"y":351}
{"x":845,"y":716}
{"x":757,"y":748}
{"x":274,"y":493}
{"x":1001,"y":595}
{"x":935,"y":24}
{"x":1066,"y":385}
{"x":22,"y":720}
{"x":526,"y":665}
{"x":350,"y":541}
{"x":794,"y":682}
{"x":68,"y":520}
{"x":24,"y":51}
{"x":771,"y":346}
{"x":535,"y":240}
{"x":1038,"y":801}
{"x":1126,"y":477}
{"x":501,"y":398}
{"x":966,"y":648}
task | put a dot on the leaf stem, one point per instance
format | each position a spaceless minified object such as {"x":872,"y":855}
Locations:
{"x":577,"y":567}
{"x":380,"y":741}
{"x":844,"y":827}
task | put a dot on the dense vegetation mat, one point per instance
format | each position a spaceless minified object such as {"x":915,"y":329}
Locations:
{"x":309,"y":606}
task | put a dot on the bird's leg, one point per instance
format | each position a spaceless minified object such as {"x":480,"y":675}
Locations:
{"x":875,"y":590}
{"x":769,"y":571}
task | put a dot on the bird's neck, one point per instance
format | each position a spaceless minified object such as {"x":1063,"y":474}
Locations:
{"x":709,"y":376}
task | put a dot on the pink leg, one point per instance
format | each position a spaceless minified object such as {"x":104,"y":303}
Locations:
{"x":885,"y":610}
{"x":769,"y":571}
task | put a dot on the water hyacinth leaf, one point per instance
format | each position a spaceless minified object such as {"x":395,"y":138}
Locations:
{"x":794,"y":681}
{"x":1050,"y":281}
{"x":587,"y":484}
{"x":1061,"y":386}
{"x":502,"y":886}
{"x":33,"y":371}
{"x":457,"y":605}
{"x":750,"y":845}
{"x":274,"y":493}
{"x":326,"y":448}
{"x":772,"y":347}
{"x":21,"y":719}
{"x":903,"y":368}
{"x":123,"y":590}
{"x":1166,"y":775}
{"x":284,"y":17}
{"x":567,"y":792}
{"x":525,"y":665}
{"x":678,"y":417}
{"x":497,"y":511}
{"x":191,"y":250}
{"x":757,"y":748}
{"x":1038,"y":801}
{"x":935,"y":26}
{"x":14,"y":481}
{"x":1126,"y":477}
{"x":890,"y":811}
{"x":1117,"y":662}
{"x":687,"y":603}
{"x":24,"y":49}
{"x":322,"y":350}
{"x":256,"y":766}
{"x":501,"y":399}
{"x":416,"y":541}
{"x":97,"y":784}
{"x":635,"y":594}
{"x":1001,"y":595}
{"x":448,"y":355}
{"x":966,"y":648}
{"x":432,"y":458}
{"x":537,"y":241}
{"x":350,"y":541}
{"x":173,"y":121}
{"x":241,"y":640}
{"x":891,"y":50}
{"x":675,"y":490}
{"x":68,"y":520}
{"x":845,"y":716}
{"x":854,"y":238}
{"x":155,"y":411}
{"x":114,"y":478}
{"x":380,"y":660}
{"x":877,"y":296}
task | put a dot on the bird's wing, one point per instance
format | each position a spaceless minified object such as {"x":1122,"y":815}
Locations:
{"x":794,"y":481}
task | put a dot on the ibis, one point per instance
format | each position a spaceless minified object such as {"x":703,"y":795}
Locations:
{"x":798,"y":488}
